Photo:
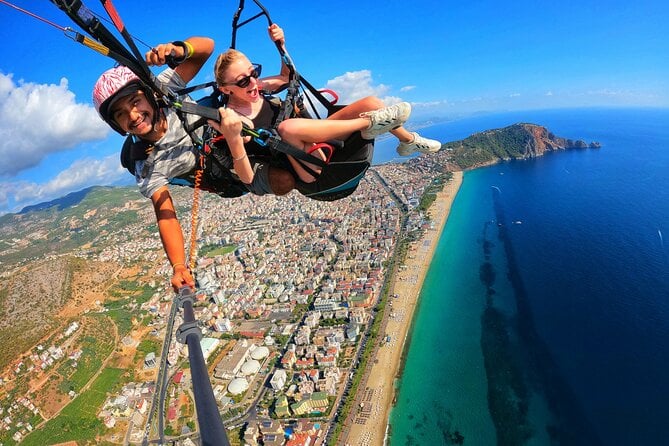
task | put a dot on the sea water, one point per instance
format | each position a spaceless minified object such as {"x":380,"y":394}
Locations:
{"x":544,"y":317}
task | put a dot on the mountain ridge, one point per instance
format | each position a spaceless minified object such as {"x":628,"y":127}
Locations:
{"x":69,"y":200}
{"x":517,"y":141}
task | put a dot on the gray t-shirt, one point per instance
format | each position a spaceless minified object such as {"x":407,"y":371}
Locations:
{"x":173,"y":156}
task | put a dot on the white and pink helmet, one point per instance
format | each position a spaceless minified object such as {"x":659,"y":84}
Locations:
{"x":112,"y":85}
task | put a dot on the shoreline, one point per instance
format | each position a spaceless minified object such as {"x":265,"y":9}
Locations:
{"x":370,"y":422}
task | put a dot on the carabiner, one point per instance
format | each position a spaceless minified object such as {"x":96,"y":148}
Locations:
{"x":263,"y":137}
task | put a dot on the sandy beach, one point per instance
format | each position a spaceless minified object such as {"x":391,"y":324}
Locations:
{"x":367,"y":423}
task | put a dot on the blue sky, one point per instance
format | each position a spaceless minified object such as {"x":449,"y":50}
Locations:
{"x":448,"y":59}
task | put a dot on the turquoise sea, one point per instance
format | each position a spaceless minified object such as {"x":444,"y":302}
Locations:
{"x":544,"y":318}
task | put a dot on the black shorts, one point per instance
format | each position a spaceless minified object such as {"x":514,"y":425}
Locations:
{"x":260,"y":184}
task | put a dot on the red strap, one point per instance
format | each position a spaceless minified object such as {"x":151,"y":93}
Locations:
{"x":331,"y":93}
{"x":322,"y":145}
{"x":113,"y":14}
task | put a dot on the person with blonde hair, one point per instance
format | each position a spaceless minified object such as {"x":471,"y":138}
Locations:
{"x":240,"y":81}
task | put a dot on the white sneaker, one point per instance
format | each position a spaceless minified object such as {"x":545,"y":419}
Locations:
{"x":385,"y":119}
{"x":418,"y":144}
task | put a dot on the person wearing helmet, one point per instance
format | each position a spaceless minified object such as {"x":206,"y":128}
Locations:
{"x":130,"y":107}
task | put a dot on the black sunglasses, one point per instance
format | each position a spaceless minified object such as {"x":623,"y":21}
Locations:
{"x":246,"y":80}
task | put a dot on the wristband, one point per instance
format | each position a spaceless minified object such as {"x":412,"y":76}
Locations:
{"x":240,"y":158}
{"x":177,"y":264}
{"x":190,"y":49}
{"x":188,"y":52}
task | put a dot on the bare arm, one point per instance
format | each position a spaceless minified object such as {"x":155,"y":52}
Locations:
{"x":231,"y":127}
{"x":202,"y":47}
{"x":273,"y":83}
{"x":172,"y":237}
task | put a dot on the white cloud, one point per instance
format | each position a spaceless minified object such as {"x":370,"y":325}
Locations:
{"x":83,"y":173}
{"x":549,"y":93}
{"x":354,"y":85}
{"x":39,"y":119}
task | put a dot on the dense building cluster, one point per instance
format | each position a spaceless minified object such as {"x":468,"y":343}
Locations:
{"x":286,"y":290}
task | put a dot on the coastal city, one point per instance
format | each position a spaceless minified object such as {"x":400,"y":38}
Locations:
{"x":294,"y":302}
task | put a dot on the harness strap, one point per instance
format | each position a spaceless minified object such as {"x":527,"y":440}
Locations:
{"x":288,"y":107}
{"x":261,"y":136}
{"x":86,"y":19}
{"x":275,"y":142}
{"x":322,"y":145}
{"x":189,"y":90}
{"x":329,"y":106}
{"x":120,"y":26}
{"x":197,"y":109}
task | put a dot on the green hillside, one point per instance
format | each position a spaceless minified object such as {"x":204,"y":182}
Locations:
{"x":65,"y":225}
{"x":517,"y":141}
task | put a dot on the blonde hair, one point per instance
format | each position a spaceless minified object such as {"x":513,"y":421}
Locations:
{"x":223,"y":62}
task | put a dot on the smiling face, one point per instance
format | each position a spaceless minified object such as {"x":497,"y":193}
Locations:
{"x":134,"y":114}
{"x":232,"y":67}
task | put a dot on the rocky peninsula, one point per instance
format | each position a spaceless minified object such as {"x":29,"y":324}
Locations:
{"x":517,"y":141}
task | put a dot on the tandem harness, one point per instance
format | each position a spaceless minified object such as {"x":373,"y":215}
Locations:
{"x":214,"y":172}
{"x":215,"y":176}
{"x":350,"y":159}
{"x":338,"y":178}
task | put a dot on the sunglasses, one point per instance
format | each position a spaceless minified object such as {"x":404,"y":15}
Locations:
{"x":246,"y":80}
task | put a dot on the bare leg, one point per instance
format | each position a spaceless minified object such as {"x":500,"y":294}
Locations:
{"x":301,"y":172}
{"x":354,"y":109}
{"x":301,"y":133}
{"x":402,"y":134}
{"x":363,"y":105}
